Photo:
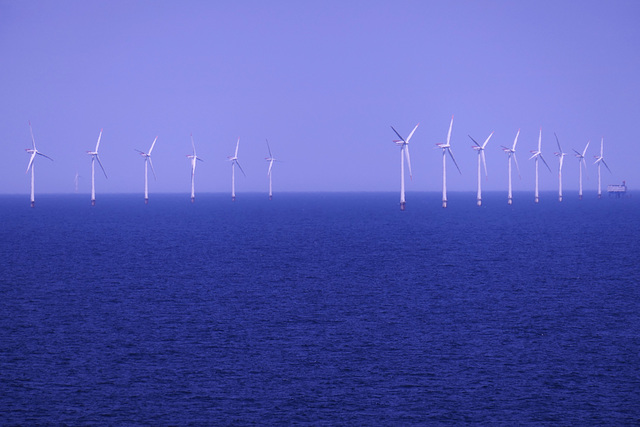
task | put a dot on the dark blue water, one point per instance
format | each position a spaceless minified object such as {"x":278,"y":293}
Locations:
{"x":319,"y":309}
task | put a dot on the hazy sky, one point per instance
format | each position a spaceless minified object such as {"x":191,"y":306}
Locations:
{"x":323,"y":81}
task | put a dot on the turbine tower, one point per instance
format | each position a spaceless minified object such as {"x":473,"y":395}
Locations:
{"x":537,"y":154}
{"x":193,"y":158}
{"x":94,"y":157}
{"x":147,"y":160}
{"x":270,"y":159}
{"x":234,"y":161}
{"x":560,"y":154}
{"x":404,"y":150}
{"x":480,"y":149}
{"x":446,"y":148}
{"x":33,"y":151}
{"x":511,"y":152}
{"x":599,"y":161}
{"x":581,"y":163}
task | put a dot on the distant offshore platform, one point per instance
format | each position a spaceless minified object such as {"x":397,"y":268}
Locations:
{"x":617,"y":190}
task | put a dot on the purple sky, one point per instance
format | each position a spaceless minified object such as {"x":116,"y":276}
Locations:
{"x":323,"y":81}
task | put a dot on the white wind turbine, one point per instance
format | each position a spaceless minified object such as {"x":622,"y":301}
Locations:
{"x":446,"y":148}
{"x":234,"y":161}
{"x":147,"y":160}
{"x":581,"y":163}
{"x":480,"y":149}
{"x":404,"y":150}
{"x":94,"y":157}
{"x":193,"y":158}
{"x":511,"y":152}
{"x":560,"y":154}
{"x":270,"y":159}
{"x":537,"y":154}
{"x":599,"y":161}
{"x":33,"y":151}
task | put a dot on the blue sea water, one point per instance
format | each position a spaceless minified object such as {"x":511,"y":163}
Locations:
{"x":319,"y":309}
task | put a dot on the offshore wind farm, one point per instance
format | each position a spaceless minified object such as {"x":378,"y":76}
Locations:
{"x":484,"y":293}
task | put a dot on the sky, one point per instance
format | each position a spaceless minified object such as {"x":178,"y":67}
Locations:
{"x":323,"y":81}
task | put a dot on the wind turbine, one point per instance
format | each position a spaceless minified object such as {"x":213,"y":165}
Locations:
{"x":480,"y":149}
{"x":511,"y":152}
{"x":94,"y":157}
{"x":270,"y":159}
{"x":560,"y":156}
{"x":33,"y":151}
{"x":446,"y":148}
{"x":581,"y":162}
{"x":404,"y":148}
{"x":599,"y":161}
{"x":537,"y":154}
{"x":234,"y":161}
{"x":193,"y":158}
{"x":147,"y":160}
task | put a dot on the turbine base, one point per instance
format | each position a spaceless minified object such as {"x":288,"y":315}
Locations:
{"x":146,"y":201}
{"x":580,"y":197}
{"x":509,"y":201}
{"x":93,"y":202}
{"x":402,"y":205}
{"x":270,"y":197}
{"x":479,"y":202}
{"x":537,"y":200}
{"x":233,"y":198}
{"x":444,"y":203}
{"x":599,"y":196}
{"x":33,"y":204}
{"x":193,"y":199}
{"x":560,"y":198}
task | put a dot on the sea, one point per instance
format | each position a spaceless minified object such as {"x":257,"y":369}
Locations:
{"x":319,"y":309}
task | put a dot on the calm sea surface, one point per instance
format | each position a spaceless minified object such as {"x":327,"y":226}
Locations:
{"x":319,"y":309}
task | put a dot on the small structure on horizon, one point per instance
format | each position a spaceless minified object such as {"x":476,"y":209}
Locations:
{"x":617,"y":189}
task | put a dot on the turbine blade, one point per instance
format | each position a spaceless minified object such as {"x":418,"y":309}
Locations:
{"x":545,"y":162}
{"x":484,"y":162}
{"x":152,"y":170}
{"x":449,"y":133}
{"x":102,"y":167}
{"x":515,"y":141}
{"x":152,"y":145}
{"x":241,"y":170}
{"x":98,"y":143}
{"x":406,"y":148}
{"x":401,"y":138}
{"x":585,"y":149}
{"x":515,"y":159}
{"x":411,"y":134}
{"x":454,"y":160}
{"x":33,"y":156}
{"x":558,"y":142}
{"x":141,"y":152}
{"x":607,"y":166}
{"x":474,"y":141}
{"x":270,"y":166}
{"x":193,"y":146}
{"x":540,"y":141}
{"x":488,"y":138}
{"x":33,"y":140}
{"x":577,"y":152}
{"x":269,"y":148}
{"x":43,"y":155}
{"x":601,"y":146}
{"x":237,"y":145}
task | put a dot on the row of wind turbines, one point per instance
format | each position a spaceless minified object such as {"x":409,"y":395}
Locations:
{"x":147,"y":163}
{"x":511,"y":153}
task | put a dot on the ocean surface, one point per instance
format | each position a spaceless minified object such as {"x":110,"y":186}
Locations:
{"x":319,"y":309}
